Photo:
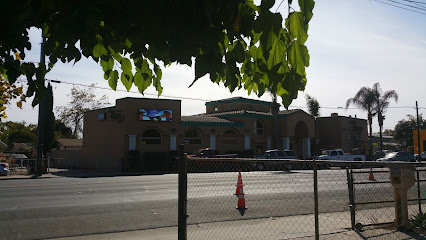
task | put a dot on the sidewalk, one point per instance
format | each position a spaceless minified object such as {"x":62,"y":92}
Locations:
{"x":299,"y":227}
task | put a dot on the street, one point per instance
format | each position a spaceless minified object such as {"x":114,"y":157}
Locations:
{"x":70,"y":206}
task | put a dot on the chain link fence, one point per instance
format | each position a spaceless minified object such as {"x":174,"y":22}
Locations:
{"x":292,"y":199}
{"x":27,"y":166}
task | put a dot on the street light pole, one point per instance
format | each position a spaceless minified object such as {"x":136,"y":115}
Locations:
{"x":418,"y":133}
{"x":41,"y":117}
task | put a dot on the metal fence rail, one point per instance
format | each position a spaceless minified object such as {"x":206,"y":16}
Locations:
{"x":372,"y":189}
{"x":310,"y":201}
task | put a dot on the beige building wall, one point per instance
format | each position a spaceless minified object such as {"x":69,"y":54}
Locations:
{"x":347,"y":133}
{"x":113,"y":137}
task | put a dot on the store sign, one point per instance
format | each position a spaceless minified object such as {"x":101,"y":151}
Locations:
{"x":155,"y":115}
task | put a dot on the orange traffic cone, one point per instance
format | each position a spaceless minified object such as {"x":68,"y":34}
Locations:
{"x":371,"y":176}
{"x":241,"y":204}
{"x":239,"y":184}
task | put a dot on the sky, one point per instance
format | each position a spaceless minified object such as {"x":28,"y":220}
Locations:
{"x":352,"y":44}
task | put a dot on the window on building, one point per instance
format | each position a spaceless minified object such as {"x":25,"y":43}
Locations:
{"x":216,"y":108}
{"x":230,"y":137}
{"x":151,"y":136}
{"x":258,"y":127}
{"x":193,"y":136}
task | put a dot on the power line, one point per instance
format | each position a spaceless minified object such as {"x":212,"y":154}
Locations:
{"x":408,"y":5}
{"x":400,"y":7}
{"x":415,"y":2}
{"x":199,"y":99}
{"x":118,"y":90}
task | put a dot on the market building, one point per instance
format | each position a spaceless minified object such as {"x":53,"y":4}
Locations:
{"x":143,"y":134}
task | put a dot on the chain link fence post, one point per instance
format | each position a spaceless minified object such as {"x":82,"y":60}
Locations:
{"x":351,"y":196}
{"x":182,"y":194}
{"x":418,"y":190}
{"x":315,"y":168}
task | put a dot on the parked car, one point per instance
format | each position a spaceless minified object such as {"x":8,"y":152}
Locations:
{"x":4,"y":169}
{"x":422,"y":156}
{"x":279,"y":155}
{"x":339,"y":155}
{"x":210,"y":153}
{"x":402,"y":156}
{"x":209,"y":165}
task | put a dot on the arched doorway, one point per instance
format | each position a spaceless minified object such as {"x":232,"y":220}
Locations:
{"x":301,"y":143}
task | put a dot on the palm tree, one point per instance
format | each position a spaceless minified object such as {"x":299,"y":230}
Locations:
{"x":366,"y":100}
{"x":313,"y":109}
{"x":275,"y":107}
{"x":382,"y":103}
{"x":313,"y":106}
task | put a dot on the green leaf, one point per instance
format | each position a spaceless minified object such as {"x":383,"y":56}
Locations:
{"x":113,"y":79}
{"x":141,"y":82}
{"x":126,"y":66}
{"x":202,"y":67}
{"x":255,"y":36}
{"x":277,"y":53}
{"x":128,"y":44}
{"x":107,"y":65}
{"x":297,"y":26}
{"x":126,"y":80}
{"x":298,"y":57}
{"x":267,"y":4}
{"x":99,"y":50}
{"x":306,"y":6}
{"x":156,"y":80}
{"x":239,"y":51}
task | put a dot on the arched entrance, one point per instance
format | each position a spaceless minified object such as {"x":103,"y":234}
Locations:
{"x":301,"y":141}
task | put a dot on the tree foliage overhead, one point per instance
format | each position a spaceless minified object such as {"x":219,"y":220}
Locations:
{"x":82,"y":100}
{"x":236,"y":42}
{"x":9,"y":92}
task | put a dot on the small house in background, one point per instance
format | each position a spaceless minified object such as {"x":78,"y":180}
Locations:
{"x":69,"y":144}
{"x":389,"y":143}
{"x":24,"y":148}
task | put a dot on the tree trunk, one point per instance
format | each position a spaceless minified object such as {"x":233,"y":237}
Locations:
{"x":275,"y":109}
{"x":380,"y":118}
{"x":370,"y":144}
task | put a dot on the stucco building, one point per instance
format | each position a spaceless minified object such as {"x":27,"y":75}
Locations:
{"x":144,"y":134}
{"x":347,"y":133}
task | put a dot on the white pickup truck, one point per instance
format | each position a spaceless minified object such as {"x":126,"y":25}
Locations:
{"x":339,"y":155}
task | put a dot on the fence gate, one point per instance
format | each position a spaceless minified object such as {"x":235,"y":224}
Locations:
{"x":371,"y":196}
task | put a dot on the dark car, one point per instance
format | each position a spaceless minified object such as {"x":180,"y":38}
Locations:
{"x":402,"y":156}
{"x":280,"y":156}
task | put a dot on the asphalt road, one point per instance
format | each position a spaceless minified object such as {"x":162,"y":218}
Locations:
{"x":70,"y":206}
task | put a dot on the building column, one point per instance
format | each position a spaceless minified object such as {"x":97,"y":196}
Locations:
{"x":132,"y":142}
{"x":213,"y":142}
{"x":286,"y":142}
{"x":172,"y":142}
{"x":246,"y":142}
{"x":268,"y":144}
{"x":306,"y":147}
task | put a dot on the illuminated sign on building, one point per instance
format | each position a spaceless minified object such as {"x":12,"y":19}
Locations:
{"x":155,"y":115}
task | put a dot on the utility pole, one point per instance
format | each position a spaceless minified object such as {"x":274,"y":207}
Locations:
{"x":41,"y":117}
{"x":418,"y":133}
